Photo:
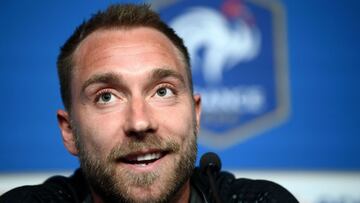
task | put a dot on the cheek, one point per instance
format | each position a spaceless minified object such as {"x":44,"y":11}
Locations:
{"x":178,"y":122}
{"x":100,"y":133}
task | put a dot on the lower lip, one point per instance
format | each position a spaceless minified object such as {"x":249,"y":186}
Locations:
{"x":145,"y":168}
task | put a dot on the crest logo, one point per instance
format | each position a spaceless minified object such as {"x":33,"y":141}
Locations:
{"x":225,"y":44}
{"x":238,"y":64}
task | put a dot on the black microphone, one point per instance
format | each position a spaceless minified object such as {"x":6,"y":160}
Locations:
{"x":210,"y":164}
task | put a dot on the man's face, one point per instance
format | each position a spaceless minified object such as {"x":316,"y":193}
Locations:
{"x":134,"y":120}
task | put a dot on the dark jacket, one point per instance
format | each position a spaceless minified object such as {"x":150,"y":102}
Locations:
{"x":74,"y":189}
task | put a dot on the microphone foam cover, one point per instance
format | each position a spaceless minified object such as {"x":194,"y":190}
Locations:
{"x":212,"y":160}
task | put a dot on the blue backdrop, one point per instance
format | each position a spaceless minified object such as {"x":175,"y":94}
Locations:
{"x":322,"y":131}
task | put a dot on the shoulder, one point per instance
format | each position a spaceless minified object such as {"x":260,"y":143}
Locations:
{"x":55,"y":189}
{"x":233,"y":189}
{"x":49,"y":191}
{"x":260,"y":190}
{"x":20,"y":194}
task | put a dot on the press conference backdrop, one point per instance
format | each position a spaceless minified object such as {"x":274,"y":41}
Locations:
{"x":279,"y":81}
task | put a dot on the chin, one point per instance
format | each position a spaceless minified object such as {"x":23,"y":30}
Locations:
{"x":148,"y":194}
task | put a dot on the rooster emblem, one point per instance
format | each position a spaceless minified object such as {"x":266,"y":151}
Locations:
{"x":223,"y":44}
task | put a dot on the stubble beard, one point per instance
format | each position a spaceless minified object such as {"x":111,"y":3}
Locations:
{"x":114,"y":184}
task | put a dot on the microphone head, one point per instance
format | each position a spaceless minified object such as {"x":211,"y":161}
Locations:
{"x":210,"y":160}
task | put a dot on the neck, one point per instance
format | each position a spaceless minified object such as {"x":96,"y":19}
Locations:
{"x":184,"y":193}
{"x":95,"y":197}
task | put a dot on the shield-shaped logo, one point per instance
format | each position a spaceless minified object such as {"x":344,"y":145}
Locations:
{"x":239,"y":64}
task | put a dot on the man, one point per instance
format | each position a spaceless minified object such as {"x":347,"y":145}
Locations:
{"x":132,"y":119}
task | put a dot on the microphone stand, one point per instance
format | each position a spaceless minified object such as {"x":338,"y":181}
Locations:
{"x":212,"y":185}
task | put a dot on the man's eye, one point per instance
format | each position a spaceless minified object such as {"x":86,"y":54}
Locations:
{"x":164,"y":92}
{"x":105,"y":97}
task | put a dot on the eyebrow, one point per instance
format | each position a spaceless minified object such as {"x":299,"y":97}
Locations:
{"x":113,"y":78}
{"x":161,"y":73}
{"x":108,"y":78}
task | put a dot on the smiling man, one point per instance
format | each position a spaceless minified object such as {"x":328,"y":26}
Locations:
{"x":132,"y":119}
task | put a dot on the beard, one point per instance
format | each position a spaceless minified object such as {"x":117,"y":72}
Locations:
{"x":113,"y":184}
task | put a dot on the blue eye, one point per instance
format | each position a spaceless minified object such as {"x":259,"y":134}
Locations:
{"x":162,"y":91}
{"x":105,"y":97}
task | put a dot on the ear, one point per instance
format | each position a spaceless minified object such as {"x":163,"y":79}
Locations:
{"x":66,"y":131}
{"x":197,"y":106}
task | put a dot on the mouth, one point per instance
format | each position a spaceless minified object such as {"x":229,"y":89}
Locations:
{"x":143,"y":158}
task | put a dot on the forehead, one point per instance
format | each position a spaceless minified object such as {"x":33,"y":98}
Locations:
{"x":118,"y":43}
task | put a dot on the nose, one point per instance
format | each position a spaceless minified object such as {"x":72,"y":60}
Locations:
{"x":139,"y":119}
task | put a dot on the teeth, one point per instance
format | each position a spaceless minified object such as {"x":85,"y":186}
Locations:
{"x":148,"y":157}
